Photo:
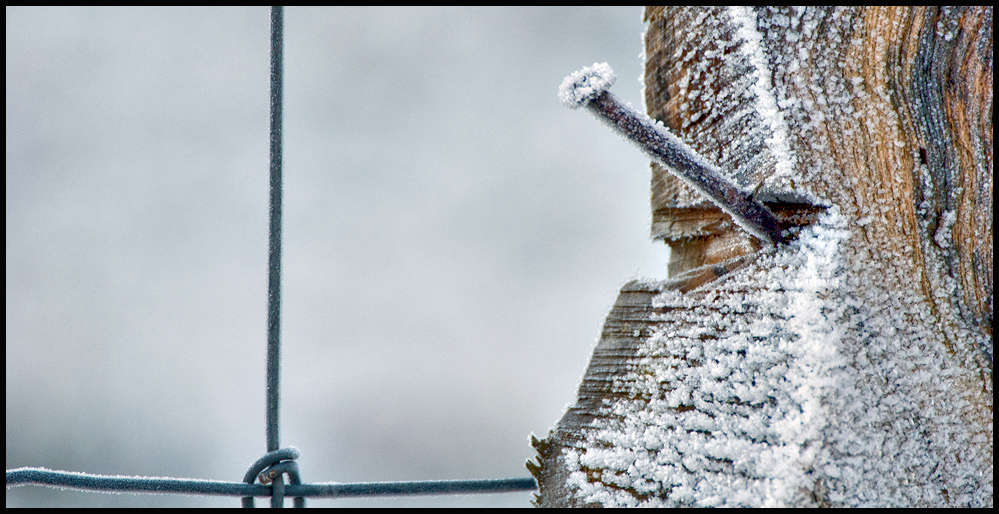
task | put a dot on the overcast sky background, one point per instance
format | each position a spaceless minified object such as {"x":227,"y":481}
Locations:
{"x":454,"y":238}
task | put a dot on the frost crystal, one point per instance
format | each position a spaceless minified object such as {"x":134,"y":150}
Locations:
{"x":733,"y":401}
{"x":766,"y":101}
{"x":582,"y":86}
{"x":942,"y":236}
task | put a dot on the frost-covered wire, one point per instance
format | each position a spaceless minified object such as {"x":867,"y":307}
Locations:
{"x":138,"y":484}
{"x":130,"y":484}
{"x":589,"y":88}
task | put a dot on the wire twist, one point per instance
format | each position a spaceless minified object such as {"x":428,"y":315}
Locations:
{"x":269,"y":470}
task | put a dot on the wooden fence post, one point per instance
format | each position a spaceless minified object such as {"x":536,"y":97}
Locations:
{"x":852,"y":366}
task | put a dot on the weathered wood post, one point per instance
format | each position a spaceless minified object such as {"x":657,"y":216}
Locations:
{"x":851,"y":366}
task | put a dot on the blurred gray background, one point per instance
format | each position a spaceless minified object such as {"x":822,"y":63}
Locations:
{"x":454,"y":238}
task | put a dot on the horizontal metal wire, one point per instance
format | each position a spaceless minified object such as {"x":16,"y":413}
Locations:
{"x":426,"y":488}
{"x":136,"y":484}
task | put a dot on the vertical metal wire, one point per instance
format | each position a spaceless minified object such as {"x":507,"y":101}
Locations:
{"x":274,"y":255}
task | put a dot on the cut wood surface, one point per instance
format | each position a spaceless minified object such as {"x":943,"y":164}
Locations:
{"x":850,"y":367}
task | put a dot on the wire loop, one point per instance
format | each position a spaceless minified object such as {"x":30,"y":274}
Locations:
{"x":269,"y":470}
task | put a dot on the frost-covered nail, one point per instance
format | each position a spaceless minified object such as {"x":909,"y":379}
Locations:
{"x":588,"y":88}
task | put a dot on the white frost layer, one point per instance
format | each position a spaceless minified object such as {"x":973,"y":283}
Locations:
{"x":794,"y":378}
{"x":766,"y":101}
{"x":582,"y":86}
{"x":734,"y":390}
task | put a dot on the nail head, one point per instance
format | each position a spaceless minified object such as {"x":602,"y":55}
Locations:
{"x":584,"y":85}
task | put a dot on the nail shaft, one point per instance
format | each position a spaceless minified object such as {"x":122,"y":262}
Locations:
{"x":588,"y":88}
